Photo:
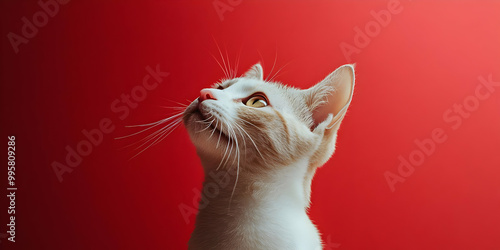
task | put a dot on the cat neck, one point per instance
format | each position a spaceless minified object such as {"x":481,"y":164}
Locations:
{"x":270,"y":210}
{"x":238,"y":189}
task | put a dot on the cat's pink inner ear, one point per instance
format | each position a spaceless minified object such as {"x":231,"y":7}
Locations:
{"x":336,"y":93}
{"x":255,"y":72}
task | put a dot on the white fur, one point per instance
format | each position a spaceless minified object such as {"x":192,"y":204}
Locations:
{"x":273,"y":217}
{"x":263,"y":202}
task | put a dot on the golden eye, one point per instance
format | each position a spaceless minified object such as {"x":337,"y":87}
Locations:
{"x":256,"y":101}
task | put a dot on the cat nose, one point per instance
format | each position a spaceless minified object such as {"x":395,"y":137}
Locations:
{"x":206,"y":94}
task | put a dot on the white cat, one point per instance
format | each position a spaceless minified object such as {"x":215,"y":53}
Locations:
{"x":260,"y":144}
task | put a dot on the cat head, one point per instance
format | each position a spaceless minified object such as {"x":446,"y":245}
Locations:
{"x":260,"y":125}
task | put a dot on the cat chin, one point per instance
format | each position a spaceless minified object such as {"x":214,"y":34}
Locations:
{"x":201,"y":135}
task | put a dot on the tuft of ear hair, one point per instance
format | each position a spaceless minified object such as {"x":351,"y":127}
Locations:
{"x":255,"y":72}
{"x":332,"y":96}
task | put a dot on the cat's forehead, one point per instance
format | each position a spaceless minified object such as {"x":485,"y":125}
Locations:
{"x":240,"y":83}
{"x":249,"y":85}
{"x":281,"y":97}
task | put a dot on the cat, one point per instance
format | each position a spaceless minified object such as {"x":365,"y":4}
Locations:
{"x":260,"y":144}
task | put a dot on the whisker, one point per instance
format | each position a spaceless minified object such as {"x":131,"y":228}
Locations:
{"x":231,"y":73}
{"x":165,"y":134}
{"x":159,"y":130}
{"x":230,"y":150}
{"x":276,"y":74}
{"x":227,"y":148}
{"x":151,"y":125}
{"x":239,"y":129}
{"x":223,"y":61}
{"x":261,"y":58}
{"x":249,"y":123}
{"x":205,"y":120}
{"x":156,"y":122}
{"x":237,"y":63}
{"x":237,"y":168}
{"x":235,"y":140}
{"x":223,"y":70}
{"x":174,"y":108}
{"x":218,"y":140}
{"x":156,"y":133}
{"x":208,"y":126}
{"x":274,"y":64}
{"x":165,"y":131}
{"x":253,"y":142}
{"x":213,"y":130}
{"x":178,"y":103}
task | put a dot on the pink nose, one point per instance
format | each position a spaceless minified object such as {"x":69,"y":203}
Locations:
{"x":206,"y":94}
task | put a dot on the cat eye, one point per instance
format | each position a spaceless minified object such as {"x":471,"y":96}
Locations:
{"x":256,"y":101}
{"x":219,"y":86}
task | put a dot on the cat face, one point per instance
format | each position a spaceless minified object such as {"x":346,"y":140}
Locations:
{"x":258,"y":124}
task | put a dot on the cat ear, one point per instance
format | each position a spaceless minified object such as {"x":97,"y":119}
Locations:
{"x":255,"y":72}
{"x":332,"y":96}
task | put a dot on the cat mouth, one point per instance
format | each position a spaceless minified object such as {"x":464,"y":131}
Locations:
{"x":213,"y":130}
{"x":205,"y":124}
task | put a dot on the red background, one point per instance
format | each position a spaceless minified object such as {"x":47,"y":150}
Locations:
{"x":428,"y":58}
